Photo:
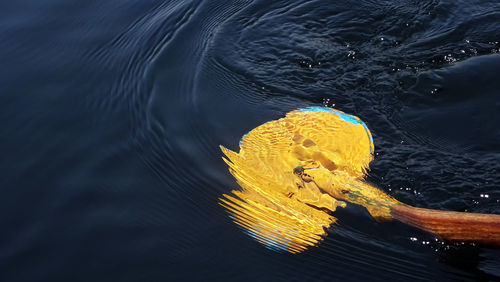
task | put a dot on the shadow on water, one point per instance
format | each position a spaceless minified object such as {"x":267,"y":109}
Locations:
{"x":112,"y":114}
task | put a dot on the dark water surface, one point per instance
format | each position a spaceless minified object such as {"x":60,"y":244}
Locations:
{"x":112,"y":112}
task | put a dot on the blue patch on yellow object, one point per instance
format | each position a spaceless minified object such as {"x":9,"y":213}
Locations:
{"x":369,"y":135}
{"x":243,"y":138}
{"x":344,"y":116}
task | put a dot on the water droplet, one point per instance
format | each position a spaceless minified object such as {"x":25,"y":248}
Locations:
{"x":434,"y":91}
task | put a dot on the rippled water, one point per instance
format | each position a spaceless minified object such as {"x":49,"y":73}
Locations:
{"x":112,"y":113}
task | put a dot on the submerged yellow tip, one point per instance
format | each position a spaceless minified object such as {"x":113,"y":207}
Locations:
{"x":294,"y":172}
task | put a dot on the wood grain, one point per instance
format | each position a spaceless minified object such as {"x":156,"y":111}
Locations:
{"x":483,"y":229}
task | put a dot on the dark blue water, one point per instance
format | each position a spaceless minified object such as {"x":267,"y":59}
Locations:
{"x":111,"y":113}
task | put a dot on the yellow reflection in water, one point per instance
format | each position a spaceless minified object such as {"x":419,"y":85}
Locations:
{"x":295,"y":171}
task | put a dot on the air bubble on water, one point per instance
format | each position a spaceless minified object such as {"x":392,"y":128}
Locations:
{"x":306,"y":64}
{"x":326,"y":103}
{"x":449,"y":58}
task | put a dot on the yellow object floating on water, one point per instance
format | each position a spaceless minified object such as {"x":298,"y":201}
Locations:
{"x":295,"y":171}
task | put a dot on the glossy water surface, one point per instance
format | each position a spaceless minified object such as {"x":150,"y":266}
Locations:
{"x":112,"y":112}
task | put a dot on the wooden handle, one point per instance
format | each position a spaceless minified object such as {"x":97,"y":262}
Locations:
{"x":483,"y":229}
